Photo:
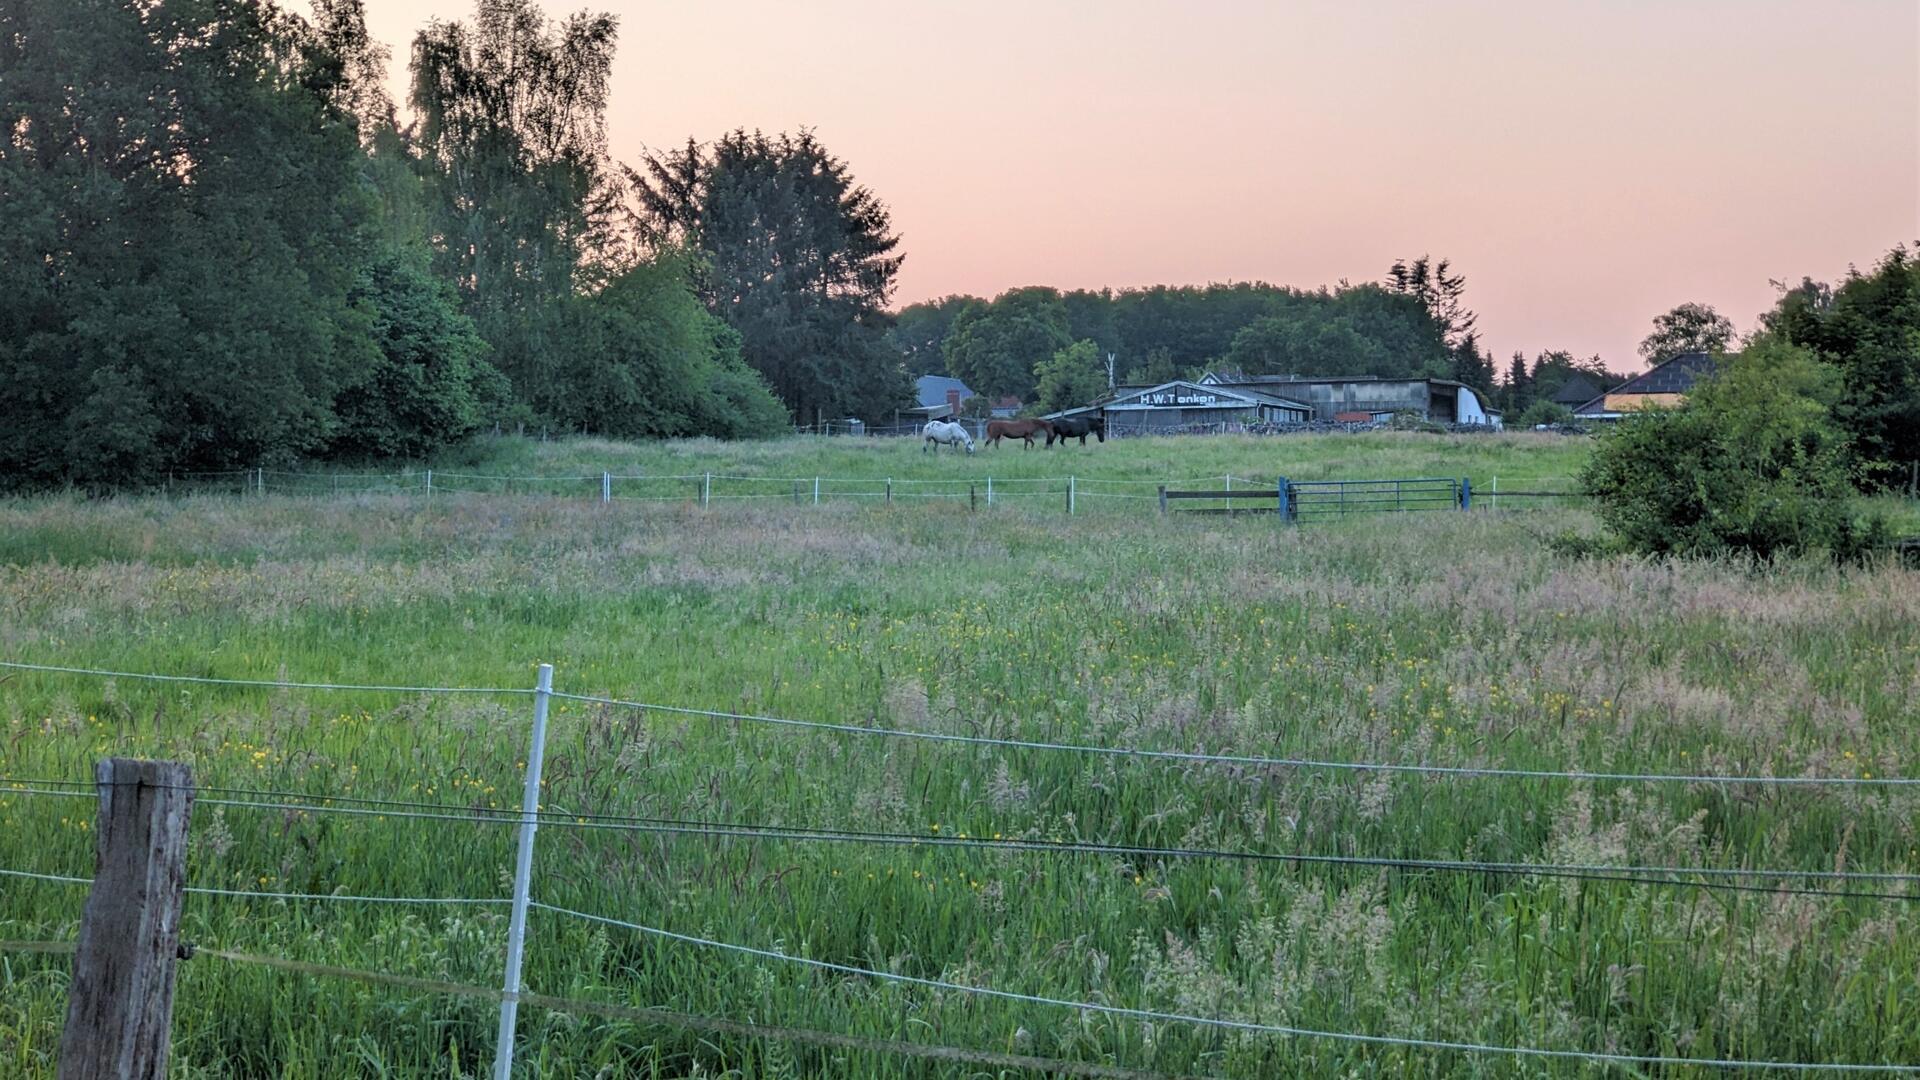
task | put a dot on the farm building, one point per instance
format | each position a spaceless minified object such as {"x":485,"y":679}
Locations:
{"x":1286,"y":399}
{"x":938,"y":397}
{"x":1576,"y":391}
{"x":1442,"y":401}
{"x":1665,"y":385}
{"x":1180,"y":403}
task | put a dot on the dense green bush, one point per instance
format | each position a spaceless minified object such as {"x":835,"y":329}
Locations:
{"x":1543,"y":412}
{"x":1752,"y":463}
{"x":431,"y":384}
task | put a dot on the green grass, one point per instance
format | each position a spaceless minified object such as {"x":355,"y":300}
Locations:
{"x":1443,"y":638}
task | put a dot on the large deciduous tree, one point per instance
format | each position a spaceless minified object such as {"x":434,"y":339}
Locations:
{"x":795,"y":255}
{"x":1071,"y":377}
{"x":183,"y":226}
{"x":525,"y":207}
{"x":1869,"y":328}
{"x":996,"y":348}
{"x":1688,"y":328}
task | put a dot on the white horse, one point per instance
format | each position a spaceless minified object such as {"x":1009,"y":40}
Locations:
{"x":948,"y":433}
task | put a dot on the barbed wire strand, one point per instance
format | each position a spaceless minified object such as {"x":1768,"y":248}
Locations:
{"x":249,"y":894}
{"x":1195,"y":757}
{"x":264,"y":684}
{"x":1221,"y":1022}
{"x":1633,"y":875}
{"x":712,"y":1025}
{"x":560,"y":818}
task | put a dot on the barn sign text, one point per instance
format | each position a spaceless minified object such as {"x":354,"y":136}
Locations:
{"x":1179,"y":397}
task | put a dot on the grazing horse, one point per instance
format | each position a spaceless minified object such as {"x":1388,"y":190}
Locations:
{"x":1067,"y":427}
{"x":1024,"y":430}
{"x":947,"y":433}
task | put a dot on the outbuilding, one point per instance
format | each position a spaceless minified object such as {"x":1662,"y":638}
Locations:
{"x":1442,"y":401}
{"x":1666,"y":385}
{"x":1182,"y":403}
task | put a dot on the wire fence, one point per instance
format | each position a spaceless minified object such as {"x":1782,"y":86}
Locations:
{"x":532,"y":815}
{"x":1072,"y":493}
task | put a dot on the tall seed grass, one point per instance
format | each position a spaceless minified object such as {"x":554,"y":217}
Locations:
{"x":1444,"y":638}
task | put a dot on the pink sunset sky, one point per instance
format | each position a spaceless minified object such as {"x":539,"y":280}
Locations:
{"x":1587,"y":165}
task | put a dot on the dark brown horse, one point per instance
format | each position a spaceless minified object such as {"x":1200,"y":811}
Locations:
{"x":1024,"y":430}
{"x":1067,"y":427}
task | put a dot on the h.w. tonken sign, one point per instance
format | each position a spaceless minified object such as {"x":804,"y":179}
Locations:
{"x":1180,"y":397}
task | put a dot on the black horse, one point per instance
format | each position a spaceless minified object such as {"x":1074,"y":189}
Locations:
{"x":1067,"y":427}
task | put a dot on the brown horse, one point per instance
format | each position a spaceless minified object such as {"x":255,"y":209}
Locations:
{"x":1018,"y":429}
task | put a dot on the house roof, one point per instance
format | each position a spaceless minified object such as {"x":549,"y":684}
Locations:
{"x":1674,"y":377}
{"x":932,"y":390}
{"x":1578,"y":389}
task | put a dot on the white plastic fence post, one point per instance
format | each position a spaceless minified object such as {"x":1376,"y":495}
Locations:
{"x":259,"y":481}
{"x":429,"y":481}
{"x":1070,"y":487}
{"x":706,"y":488}
{"x":523,"y":876}
{"x":606,"y":487}
{"x":989,"y":491}
{"x":1496,"y":493}
{"x":816,"y":491}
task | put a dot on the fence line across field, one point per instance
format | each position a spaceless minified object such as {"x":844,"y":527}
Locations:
{"x":1295,"y":500}
{"x":1731,"y":879}
{"x":532,"y":815}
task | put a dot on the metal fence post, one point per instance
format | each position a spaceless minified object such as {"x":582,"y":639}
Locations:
{"x":1466,"y":494}
{"x":889,"y":489}
{"x":971,"y":504}
{"x":523,"y":875}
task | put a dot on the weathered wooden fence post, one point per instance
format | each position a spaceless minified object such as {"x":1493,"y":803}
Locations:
{"x":1163,"y":500}
{"x":120,"y":1002}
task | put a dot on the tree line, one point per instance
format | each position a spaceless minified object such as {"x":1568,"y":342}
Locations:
{"x":1050,"y":348}
{"x":223,"y":248}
